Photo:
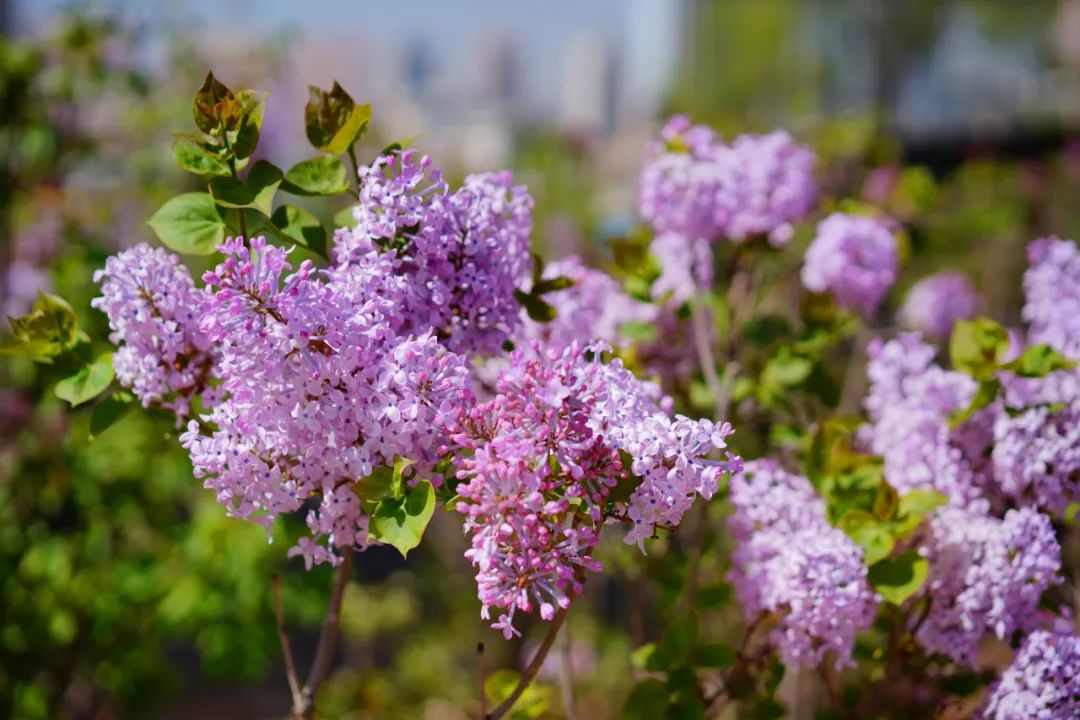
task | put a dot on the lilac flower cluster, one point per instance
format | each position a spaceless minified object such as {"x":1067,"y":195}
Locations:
{"x":1036,"y":457}
{"x":935,"y":303}
{"x":694,"y":186}
{"x":153,"y":306}
{"x":317,"y":390}
{"x":854,"y":258}
{"x":463,"y":253}
{"x":791,"y":563}
{"x":541,"y":459}
{"x":594,"y":307}
{"x":986,"y":576}
{"x":1042,"y":683}
{"x":1052,"y":295}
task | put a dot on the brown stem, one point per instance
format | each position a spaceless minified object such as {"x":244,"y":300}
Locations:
{"x":286,"y":649}
{"x":533,"y":668}
{"x":481,"y":675}
{"x":328,"y":636}
{"x":566,"y":676}
{"x":706,"y":357}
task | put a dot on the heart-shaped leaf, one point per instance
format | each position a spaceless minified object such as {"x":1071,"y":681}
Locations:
{"x":89,"y":382}
{"x":190,"y":223}
{"x":320,"y":175}
{"x":401,"y":521}
{"x":897,"y":579}
{"x":301,"y":226}
{"x":193,"y":158}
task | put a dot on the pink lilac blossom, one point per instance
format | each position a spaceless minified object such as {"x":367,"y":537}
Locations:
{"x":463,"y":253}
{"x":790,"y":562}
{"x":855,"y":259}
{"x":1042,"y":683}
{"x":593,"y":308}
{"x":935,"y":303}
{"x":1052,"y":295}
{"x":541,"y":459}
{"x":909,"y":405}
{"x":152,"y":304}
{"x":986,"y":577}
{"x":317,"y":391}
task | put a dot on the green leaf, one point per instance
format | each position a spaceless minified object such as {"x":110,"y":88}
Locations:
{"x":49,"y":329}
{"x":886,"y":502}
{"x":641,"y":657}
{"x":1039,"y":361}
{"x":190,"y":223}
{"x":320,"y":175}
{"x":212,"y":101}
{"x":639,"y":331}
{"x":647,"y":701}
{"x":89,"y":382}
{"x":107,"y":412}
{"x":869,"y":533}
{"x":914,"y":507}
{"x":553,"y":285}
{"x":715,"y":655}
{"x":986,"y":393}
{"x":193,"y":158}
{"x":537,"y":309}
{"x":786,"y":370}
{"x":533,"y":702}
{"x":401,"y":521}
{"x":977,"y":346}
{"x":897,"y":579}
{"x":246,"y":137}
{"x":301,"y":226}
{"x":332,"y":120}
{"x":255,"y":191}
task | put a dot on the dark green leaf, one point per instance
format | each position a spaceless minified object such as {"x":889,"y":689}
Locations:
{"x":715,"y":655}
{"x":537,"y":309}
{"x":320,"y":175}
{"x":301,"y":226}
{"x":107,"y":412}
{"x":897,"y":579}
{"x":190,"y":223}
{"x":986,"y":393}
{"x":647,"y":701}
{"x":245,"y":139}
{"x":553,"y":285}
{"x":89,"y":382}
{"x":255,"y":191}
{"x":193,"y":158}
{"x":401,"y":521}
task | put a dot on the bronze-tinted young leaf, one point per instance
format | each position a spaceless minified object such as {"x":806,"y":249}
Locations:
{"x":298,"y":224}
{"x":190,"y":223}
{"x":332,"y":120}
{"x":46,"y":331}
{"x":193,"y":158}
{"x":210,"y":101}
{"x":89,"y":382}
{"x":244,"y":135}
{"x":254,"y":191}
{"x":320,"y":175}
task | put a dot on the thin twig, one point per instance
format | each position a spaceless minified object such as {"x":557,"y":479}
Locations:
{"x":566,"y":676}
{"x":826,"y":679}
{"x":328,"y":635}
{"x":706,"y":357}
{"x":533,"y":668}
{"x":286,"y":647}
{"x":481,"y":675}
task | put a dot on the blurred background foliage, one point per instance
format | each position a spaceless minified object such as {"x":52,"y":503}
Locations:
{"x":124,"y":589}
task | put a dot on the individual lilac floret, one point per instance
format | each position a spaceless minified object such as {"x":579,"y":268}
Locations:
{"x":462,"y":253}
{"x":1052,"y":295}
{"x":909,"y":404}
{"x":935,"y":303}
{"x":152,"y":305}
{"x":1042,"y":683}
{"x":1036,"y":457}
{"x":318,"y":390}
{"x":790,"y":562}
{"x":773,"y":187}
{"x":593,"y":308}
{"x":539,"y":464}
{"x":986,"y":576}
{"x":854,"y":258}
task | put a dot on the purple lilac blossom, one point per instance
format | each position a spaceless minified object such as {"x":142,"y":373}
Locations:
{"x":318,"y":390}
{"x":986,"y":576}
{"x":935,"y":303}
{"x":1042,"y":683}
{"x":790,"y":562}
{"x":462,"y":252}
{"x":543,"y":456}
{"x":1036,"y":457}
{"x":1052,"y":295}
{"x":854,"y":258}
{"x":152,"y":304}
{"x":686,"y":266}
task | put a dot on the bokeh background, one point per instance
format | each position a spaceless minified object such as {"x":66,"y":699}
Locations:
{"x":124,"y":590}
